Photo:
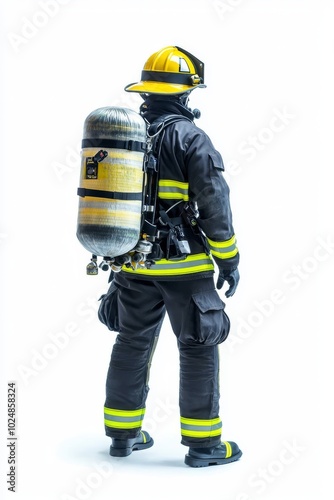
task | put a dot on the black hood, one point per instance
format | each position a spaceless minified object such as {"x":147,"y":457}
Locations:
{"x":155,"y":106}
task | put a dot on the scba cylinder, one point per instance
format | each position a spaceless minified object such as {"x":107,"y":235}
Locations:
{"x":111,"y":181}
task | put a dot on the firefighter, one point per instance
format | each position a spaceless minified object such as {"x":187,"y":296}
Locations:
{"x":194,"y":232}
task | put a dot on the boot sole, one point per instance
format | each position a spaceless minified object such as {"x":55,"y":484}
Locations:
{"x":125,"y":452}
{"x":203,"y":462}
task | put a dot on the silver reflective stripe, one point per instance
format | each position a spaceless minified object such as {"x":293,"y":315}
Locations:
{"x":181,"y":265}
{"x":223,"y":250}
{"x":201,"y":427}
{"x":112,"y":205}
{"x":195,"y":263}
{"x":169,"y":189}
{"x":123,"y":419}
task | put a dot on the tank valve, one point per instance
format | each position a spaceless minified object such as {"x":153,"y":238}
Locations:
{"x":91,"y":268}
{"x":119,"y":262}
{"x":104,"y":265}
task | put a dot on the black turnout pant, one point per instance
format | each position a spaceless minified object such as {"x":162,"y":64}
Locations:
{"x":199,"y":323}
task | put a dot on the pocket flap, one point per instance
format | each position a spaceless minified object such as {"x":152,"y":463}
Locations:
{"x":217,"y":160}
{"x":208,"y":301}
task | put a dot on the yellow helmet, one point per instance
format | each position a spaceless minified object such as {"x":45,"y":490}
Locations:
{"x":171,"y":70}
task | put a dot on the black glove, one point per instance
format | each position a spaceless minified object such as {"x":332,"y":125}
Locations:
{"x":232,"y":277}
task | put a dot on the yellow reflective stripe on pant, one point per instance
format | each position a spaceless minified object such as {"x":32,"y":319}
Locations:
{"x":123,"y":419}
{"x":223,"y":249}
{"x":196,"y":263}
{"x":173,"y":190}
{"x":196,"y":428}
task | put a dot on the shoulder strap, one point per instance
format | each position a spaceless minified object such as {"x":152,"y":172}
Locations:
{"x":151,"y":167}
{"x":163,"y":121}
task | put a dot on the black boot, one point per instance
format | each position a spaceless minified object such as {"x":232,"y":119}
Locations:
{"x":224,"y":453}
{"x":124,"y":447}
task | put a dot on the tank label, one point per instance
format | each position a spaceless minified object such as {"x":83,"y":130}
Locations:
{"x":91,"y":168}
{"x":92,"y":164}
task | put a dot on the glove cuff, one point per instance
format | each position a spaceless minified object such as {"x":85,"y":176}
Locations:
{"x":227,"y":264}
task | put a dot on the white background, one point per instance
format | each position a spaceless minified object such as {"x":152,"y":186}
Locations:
{"x":264,"y":59}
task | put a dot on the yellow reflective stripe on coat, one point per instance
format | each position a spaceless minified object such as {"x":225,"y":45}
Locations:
{"x":223,"y":249}
{"x":123,"y":419}
{"x":196,"y":263}
{"x":198,"y":428}
{"x":173,"y":190}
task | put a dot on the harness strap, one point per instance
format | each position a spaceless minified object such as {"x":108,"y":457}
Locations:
{"x":96,"y":193}
{"x":170,"y":221}
{"x":114,"y":143}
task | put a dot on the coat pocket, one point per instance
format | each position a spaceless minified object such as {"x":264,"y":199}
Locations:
{"x":212,"y":325}
{"x":217,"y":160}
{"x":108,"y":309}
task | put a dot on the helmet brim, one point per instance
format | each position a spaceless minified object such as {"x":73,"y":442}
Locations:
{"x":150,"y":87}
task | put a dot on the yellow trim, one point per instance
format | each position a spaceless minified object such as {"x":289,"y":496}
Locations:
{"x":170,"y":183}
{"x":124,"y":413}
{"x":190,"y":258}
{"x":222,"y":244}
{"x":176,"y":267}
{"x":143,"y":436}
{"x":194,"y":421}
{"x":201,"y":434}
{"x":218,"y":248}
{"x":122,"y":425}
{"x":182,"y":194}
{"x":225,"y":255}
{"x":173,"y":196}
{"x":228,"y":449}
{"x":170,"y":272}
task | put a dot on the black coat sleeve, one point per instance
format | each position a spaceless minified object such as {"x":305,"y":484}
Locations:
{"x":207,"y":187}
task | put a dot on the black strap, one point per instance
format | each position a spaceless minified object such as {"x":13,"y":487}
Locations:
{"x":113,"y":143}
{"x":156,"y":131}
{"x":96,"y":193}
{"x":169,"y":221}
{"x":165,"y":120}
{"x":163,"y":76}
